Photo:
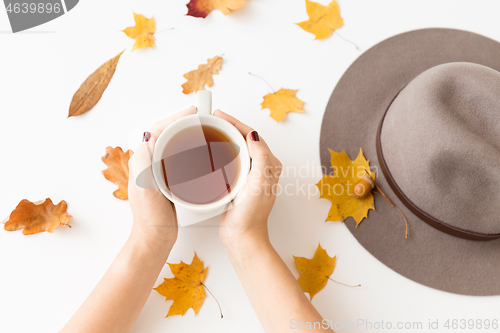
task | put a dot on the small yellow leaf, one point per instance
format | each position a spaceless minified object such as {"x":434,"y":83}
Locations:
{"x":117,"y":171}
{"x":282,"y":102}
{"x":186,"y":288}
{"x":198,"y":78}
{"x":323,"y":20}
{"x":143,"y":32}
{"x":201,"y":8}
{"x":339,"y":187}
{"x":314,"y":273}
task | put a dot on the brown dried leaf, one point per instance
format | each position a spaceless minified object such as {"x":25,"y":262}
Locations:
{"x":91,"y":90}
{"x":197,"y":79}
{"x":117,"y":171}
{"x":37,"y":217}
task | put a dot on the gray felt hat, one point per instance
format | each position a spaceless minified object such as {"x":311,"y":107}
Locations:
{"x":425,"y":108}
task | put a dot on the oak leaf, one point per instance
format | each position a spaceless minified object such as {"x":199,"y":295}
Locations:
{"x":186,"y":288}
{"x":91,"y":90}
{"x":282,"y":102}
{"x":339,"y":187}
{"x":323,"y":20}
{"x":37,"y":217}
{"x":201,"y":8}
{"x":314,"y":273}
{"x":117,"y":171}
{"x":198,"y":78}
{"x":143,"y":32}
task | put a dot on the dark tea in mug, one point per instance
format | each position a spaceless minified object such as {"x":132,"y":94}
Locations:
{"x":200,"y":164}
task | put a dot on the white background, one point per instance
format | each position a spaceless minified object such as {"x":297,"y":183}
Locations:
{"x":44,"y":278}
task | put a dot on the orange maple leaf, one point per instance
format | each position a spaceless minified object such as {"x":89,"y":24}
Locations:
{"x":282,"y":102}
{"x":201,"y":8}
{"x":339,"y":187}
{"x":314,"y":273}
{"x":37,"y":217}
{"x":323,"y":20}
{"x":143,"y":32}
{"x":186,"y":288}
{"x":117,"y":171}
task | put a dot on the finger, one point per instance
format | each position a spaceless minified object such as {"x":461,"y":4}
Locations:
{"x":152,"y":135}
{"x":266,"y":168}
{"x":160,"y":126}
{"x":140,"y":171}
{"x":259,"y":154}
{"x":243,"y":128}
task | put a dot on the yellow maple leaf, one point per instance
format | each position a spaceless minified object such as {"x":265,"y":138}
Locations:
{"x":198,"y":78}
{"x":143,"y":32}
{"x":186,"y":288}
{"x":201,"y":8}
{"x":339,"y":187}
{"x":117,"y":172}
{"x":37,"y":216}
{"x":314,"y":273}
{"x":323,"y":20}
{"x":282,"y":102}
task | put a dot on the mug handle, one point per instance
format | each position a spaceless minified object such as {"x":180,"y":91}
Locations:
{"x":204,"y":101}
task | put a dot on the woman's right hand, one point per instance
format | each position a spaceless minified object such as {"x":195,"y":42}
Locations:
{"x":245,"y":222}
{"x":154,"y":215}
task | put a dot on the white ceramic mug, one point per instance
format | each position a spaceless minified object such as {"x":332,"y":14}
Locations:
{"x":203,"y":117}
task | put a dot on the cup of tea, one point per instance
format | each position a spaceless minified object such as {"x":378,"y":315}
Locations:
{"x":201,"y":162}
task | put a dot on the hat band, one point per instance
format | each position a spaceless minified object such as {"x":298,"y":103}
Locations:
{"x":430,"y":220}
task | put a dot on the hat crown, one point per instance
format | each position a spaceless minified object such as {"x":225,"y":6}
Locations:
{"x":441,"y":143}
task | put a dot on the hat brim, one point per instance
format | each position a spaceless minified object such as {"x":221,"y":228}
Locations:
{"x":351,"y":120}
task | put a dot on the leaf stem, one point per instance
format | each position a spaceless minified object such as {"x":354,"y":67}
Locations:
{"x":260,"y":77}
{"x":392,"y":204}
{"x":347,"y":40}
{"x":157,"y":31}
{"x":329,"y":278}
{"x":220,"y":310}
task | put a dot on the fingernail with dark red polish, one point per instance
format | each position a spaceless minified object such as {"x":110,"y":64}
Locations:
{"x":146,"y":137}
{"x":254,"y":136}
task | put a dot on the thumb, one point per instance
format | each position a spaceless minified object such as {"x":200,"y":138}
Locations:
{"x":140,"y":167}
{"x":259,"y":153}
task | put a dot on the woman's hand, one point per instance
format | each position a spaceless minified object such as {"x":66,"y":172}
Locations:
{"x":270,"y":286}
{"x":118,"y":299}
{"x":246,"y":221}
{"x":154,"y":215}
{"x":116,"y":302}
